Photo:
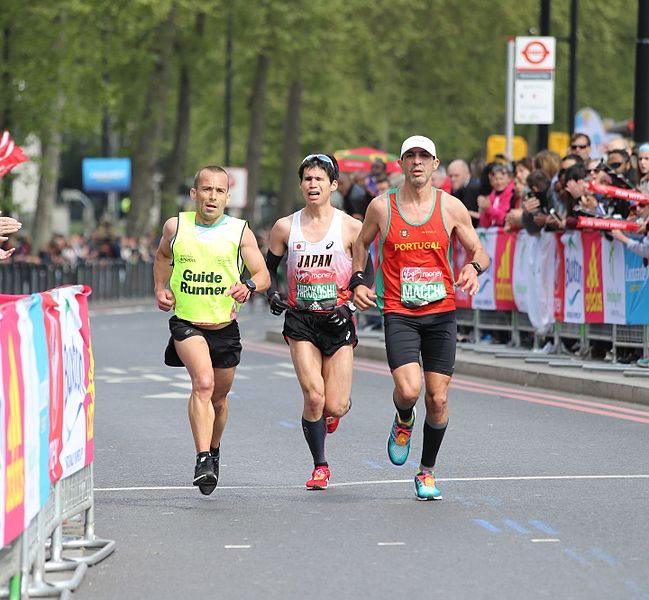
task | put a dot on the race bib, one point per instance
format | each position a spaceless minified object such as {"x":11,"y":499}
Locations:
{"x":315,"y":289}
{"x":421,"y":286}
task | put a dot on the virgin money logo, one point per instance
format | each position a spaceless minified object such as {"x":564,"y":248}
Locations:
{"x":302,"y":276}
{"x":411,"y":274}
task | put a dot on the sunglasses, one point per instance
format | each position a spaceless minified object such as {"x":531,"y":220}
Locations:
{"x":321,"y":157}
{"x":615,"y":165}
{"x":578,"y":146}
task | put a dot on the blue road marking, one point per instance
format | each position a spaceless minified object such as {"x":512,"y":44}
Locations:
{"x":488,"y":526}
{"x":599,"y":553}
{"x":632,"y":586}
{"x":288,"y":424}
{"x":515,"y":526}
{"x":412,"y":463}
{"x":544,"y":527}
{"x":572,"y":554}
{"x":372,"y":464}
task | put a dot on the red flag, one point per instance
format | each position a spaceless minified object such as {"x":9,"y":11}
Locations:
{"x":616,"y":192}
{"x":10,"y":154}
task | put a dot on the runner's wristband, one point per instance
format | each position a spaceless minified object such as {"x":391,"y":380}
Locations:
{"x":357,"y":278}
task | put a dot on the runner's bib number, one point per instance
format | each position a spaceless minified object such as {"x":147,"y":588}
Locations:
{"x":421,"y":286}
{"x":315,"y":289}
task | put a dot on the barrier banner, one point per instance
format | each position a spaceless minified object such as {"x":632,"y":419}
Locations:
{"x":637,"y":289}
{"x":76,"y":375}
{"x":559,"y":280}
{"x":503,"y":268}
{"x":524,"y":250}
{"x":612,"y":257}
{"x":13,"y":509}
{"x":462,"y":299}
{"x":31,"y":402}
{"x":485,"y":299}
{"x":594,"y":292}
{"x":574,"y":277}
{"x":540,"y":293}
{"x":55,"y":353}
{"x":47,"y":399}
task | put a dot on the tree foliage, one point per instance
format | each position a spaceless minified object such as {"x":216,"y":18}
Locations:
{"x":369,"y":74}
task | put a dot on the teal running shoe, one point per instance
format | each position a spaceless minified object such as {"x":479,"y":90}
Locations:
{"x":399,"y":440}
{"x":426,"y":487}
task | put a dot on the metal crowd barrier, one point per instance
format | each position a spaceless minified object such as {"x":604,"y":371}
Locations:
{"x":110,"y":279}
{"x":54,"y":552}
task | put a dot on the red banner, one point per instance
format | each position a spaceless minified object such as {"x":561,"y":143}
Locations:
{"x":14,"y":413}
{"x":606,"y":224}
{"x":559,"y":280}
{"x":503,"y":267}
{"x":617,"y":192}
{"x":594,"y":290}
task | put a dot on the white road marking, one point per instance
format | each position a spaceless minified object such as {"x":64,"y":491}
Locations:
{"x":284,"y":365}
{"x":287,"y":375}
{"x":155,"y":377}
{"x":115,"y":370}
{"x":391,"y":544}
{"x":168,"y":396}
{"x":236,"y":546}
{"x":377,"y":482}
{"x":185,"y":385}
{"x":546,"y":540}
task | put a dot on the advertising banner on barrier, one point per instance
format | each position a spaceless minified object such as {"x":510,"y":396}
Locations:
{"x":503,"y":268}
{"x":540,"y":293}
{"x":594,"y":291}
{"x":485,"y":299}
{"x":559,"y":279}
{"x":46,"y":399}
{"x":573,"y":309}
{"x":636,"y":276}
{"x":76,"y":368}
{"x":525,"y":248}
{"x":612,"y":257}
{"x":13,"y":451}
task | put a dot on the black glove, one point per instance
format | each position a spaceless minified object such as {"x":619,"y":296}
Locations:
{"x":276,"y":303}
{"x":340,"y":316}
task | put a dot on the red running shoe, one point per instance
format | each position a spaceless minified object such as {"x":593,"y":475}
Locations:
{"x":319,"y":479}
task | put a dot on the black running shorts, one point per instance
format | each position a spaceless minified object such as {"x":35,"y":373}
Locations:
{"x":224,"y":344}
{"x":432,"y":336}
{"x":311,"y":327}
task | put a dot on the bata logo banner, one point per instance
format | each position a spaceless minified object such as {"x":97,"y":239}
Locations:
{"x":504,"y":259}
{"x":594,"y":292}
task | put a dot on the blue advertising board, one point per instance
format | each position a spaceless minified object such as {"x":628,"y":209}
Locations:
{"x":106,"y":174}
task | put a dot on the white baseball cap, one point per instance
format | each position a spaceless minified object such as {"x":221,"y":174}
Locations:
{"x":418,"y":141}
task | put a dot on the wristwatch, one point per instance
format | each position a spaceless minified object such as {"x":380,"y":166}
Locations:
{"x":476,"y":265}
{"x":250,"y":284}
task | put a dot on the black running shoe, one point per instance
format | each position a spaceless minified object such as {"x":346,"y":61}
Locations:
{"x":215,"y":463}
{"x":204,"y":476}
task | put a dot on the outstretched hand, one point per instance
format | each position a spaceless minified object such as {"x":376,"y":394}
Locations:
{"x":468,"y":280}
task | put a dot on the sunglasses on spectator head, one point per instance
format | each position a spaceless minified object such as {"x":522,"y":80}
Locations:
{"x":615,"y":165}
{"x":578,"y":146}
{"x":322,"y":157}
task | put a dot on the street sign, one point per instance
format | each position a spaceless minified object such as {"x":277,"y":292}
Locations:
{"x":534,"y":80}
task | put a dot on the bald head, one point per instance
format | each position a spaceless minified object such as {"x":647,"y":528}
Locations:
{"x":459,"y":174}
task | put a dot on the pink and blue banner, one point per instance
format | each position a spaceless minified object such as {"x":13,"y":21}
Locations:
{"x":46,"y":399}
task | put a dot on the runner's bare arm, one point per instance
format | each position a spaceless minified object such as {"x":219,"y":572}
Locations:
{"x":279,"y":236}
{"x":255,"y":263}
{"x":163,"y":266}
{"x":460,"y":222}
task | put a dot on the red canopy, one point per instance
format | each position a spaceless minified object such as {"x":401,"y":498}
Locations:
{"x":361,"y":159}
